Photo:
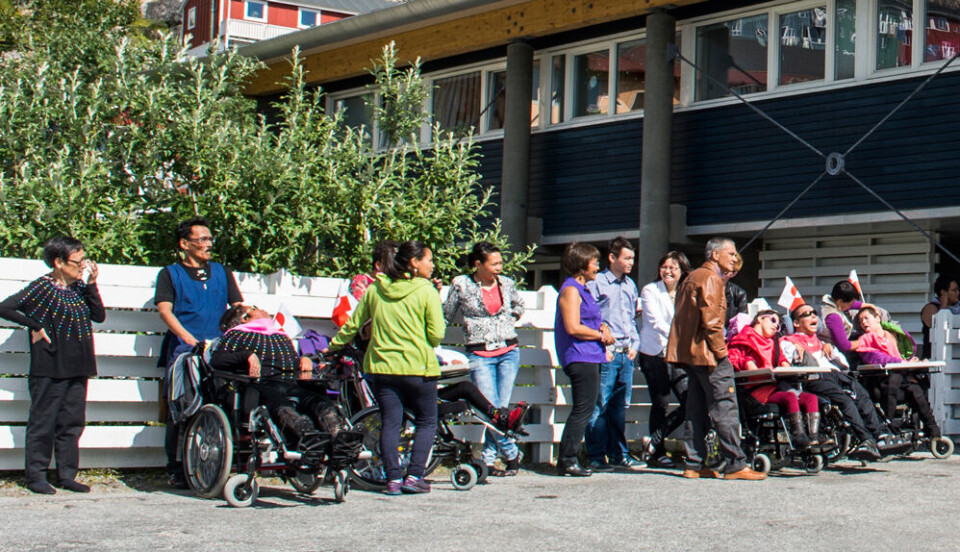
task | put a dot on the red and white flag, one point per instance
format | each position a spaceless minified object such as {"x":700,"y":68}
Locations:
{"x":853,"y":279}
{"x":790,"y":298}
{"x":344,"y":305}
{"x":286,"y":321}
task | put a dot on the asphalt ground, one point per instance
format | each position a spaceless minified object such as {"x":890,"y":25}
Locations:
{"x":905,"y":504}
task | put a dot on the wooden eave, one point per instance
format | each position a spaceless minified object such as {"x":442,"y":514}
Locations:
{"x":451,"y":35}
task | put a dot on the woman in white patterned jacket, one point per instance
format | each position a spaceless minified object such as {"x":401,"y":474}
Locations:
{"x":490,"y":306}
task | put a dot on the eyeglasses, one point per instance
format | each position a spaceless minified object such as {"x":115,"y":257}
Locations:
{"x":773,"y":319}
{"x":246,"y":315}
{"x":206,"y":239}
{"x":807,"y":314}
{"x":76,"y":262}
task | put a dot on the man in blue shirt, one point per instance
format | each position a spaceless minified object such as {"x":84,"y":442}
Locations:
{"x":617,"y":296}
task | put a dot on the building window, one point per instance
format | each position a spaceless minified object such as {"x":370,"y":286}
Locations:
{"x":456,"y":102}
{"x":557,"y":72}
{"x":942,"y":30}
{"x":192,"y":17}
{"x":845,"y":35}
{"x":894,"y":33}
{"x":497,"y":98}
{"x":308,"y":18}
{"x":803,"y":43}
{"x":591,"y":83}
{"x":631,"y":59}
{"x":356,"y":112}
{"x":256,"y":11}
{"x":733,"y":53}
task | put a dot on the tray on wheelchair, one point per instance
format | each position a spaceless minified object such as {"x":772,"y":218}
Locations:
{"x":763,"y":375}
{"x":931,"y":366}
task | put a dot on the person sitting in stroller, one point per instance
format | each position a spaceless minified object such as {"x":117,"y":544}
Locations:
{"x":255,"y":344}
{"x":756,"y":347}
{"x":884,"y":343}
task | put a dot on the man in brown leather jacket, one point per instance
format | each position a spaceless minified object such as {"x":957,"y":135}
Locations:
{"x":697,"y":345}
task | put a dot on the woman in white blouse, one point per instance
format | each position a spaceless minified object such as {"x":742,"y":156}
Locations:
{"x":656,"y":301}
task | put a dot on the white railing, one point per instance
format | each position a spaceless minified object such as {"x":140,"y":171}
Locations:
{"x":253,"y":31}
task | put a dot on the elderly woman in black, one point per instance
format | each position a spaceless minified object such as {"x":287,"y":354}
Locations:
{"x":58,"y":309}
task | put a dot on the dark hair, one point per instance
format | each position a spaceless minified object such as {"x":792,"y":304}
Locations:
{"x":943,"y":283}
{"x":844,"y":291}
{"x":383,"y":253}
{"x":577,"y":257}
{"x":399,"y":266}
{"x":233,"y":317}
{"x":796,"y":311}
{"x":618,"y":244}
{"x":481,"y":252}
{"x":60,"y":247}
{"x":680,"y":259}
{"x":765,"y":312}
{"x":185,"y":228}
{"x":865,"y":308}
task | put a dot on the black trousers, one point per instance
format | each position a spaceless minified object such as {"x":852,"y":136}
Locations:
{"x":913,"y":388}
{"x":585,"y":384}
{"x":712,"y":398}
{"x":662,"y":379}
{"x":830,"y":387}
{"x":58,"y":413}
{"x":419,"y":395}
{"x":466,"y":391}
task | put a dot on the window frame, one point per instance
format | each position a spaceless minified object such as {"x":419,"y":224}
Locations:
{"x":246,"y":10}
{"x":191,"y":18}
{"x":316,"y":14}
{"x":333,"y":98}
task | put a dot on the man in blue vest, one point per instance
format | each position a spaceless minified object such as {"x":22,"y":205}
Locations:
{"x":191,"y":296}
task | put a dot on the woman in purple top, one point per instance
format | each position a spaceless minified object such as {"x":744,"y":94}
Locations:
{"x":580,"y":336}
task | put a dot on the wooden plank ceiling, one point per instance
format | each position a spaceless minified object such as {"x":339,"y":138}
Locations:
{"x":470,"y":32}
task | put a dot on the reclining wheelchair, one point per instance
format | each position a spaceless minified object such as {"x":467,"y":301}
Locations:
{"x":226,"y":431}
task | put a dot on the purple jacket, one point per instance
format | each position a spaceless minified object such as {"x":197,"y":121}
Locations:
{"x":569,"y":348}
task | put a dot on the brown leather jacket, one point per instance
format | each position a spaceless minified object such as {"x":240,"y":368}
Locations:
{"x":696,"y":335}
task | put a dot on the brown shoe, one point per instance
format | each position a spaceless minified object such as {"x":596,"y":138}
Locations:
{"x":703,"y":472}
{"x":746,"y":473}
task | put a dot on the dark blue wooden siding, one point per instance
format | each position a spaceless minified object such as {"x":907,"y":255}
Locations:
{"x":730,"y":165}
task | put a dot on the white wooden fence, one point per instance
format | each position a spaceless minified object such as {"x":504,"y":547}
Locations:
{"x":123,"y":401}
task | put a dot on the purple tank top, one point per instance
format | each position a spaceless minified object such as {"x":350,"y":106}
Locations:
{"x":570,"y":349}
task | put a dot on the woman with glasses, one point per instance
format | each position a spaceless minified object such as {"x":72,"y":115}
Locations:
{"x":756,"y":347}
{"x":58,"y":309}
{"x":657,"y":304}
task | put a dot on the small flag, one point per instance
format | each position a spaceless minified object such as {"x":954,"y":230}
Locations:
{"x":790,"y":298}
{"x":344,"y":305}
{"x":853,"y":279}
{"x":287,"y":321}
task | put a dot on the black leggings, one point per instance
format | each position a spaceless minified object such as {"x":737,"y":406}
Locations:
{"x":466,"y":391}
{"x":662,"y":380}
{"x":419,"y":395}
{"x":585,"y":383}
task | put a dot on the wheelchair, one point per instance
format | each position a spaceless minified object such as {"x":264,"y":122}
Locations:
{"x":226,"y":431}
{"x":765,"y":438}
{"x":467,"y":472}
{"x":906,"y":422}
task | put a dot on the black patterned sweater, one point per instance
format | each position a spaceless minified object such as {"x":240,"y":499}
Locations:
{"x":67,"y":314}
{"x":275,"y":351}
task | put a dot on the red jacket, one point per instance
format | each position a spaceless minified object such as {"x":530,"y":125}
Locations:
{"x":749,"y":345}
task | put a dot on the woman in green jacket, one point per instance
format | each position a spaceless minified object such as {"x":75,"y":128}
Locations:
{"x":406,"y":324}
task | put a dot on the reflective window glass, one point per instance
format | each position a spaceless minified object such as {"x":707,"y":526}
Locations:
{"x":733,"y":54}
{"x":803,"y":43}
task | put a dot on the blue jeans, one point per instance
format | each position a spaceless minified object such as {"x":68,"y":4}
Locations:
{"x":495,"y":376}
{"x":605,"y":437}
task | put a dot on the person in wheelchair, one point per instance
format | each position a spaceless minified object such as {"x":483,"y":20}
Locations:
{"x":756,"y":347}
{"x":255,"y":344}
{"x":885,"y":343}
{"x":804,"y":348}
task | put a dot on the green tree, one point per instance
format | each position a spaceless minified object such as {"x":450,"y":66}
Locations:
{"x":109,"y":133}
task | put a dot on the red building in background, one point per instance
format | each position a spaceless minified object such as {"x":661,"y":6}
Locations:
{"x":239,"y":22}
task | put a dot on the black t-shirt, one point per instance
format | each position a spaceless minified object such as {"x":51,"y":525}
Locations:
{"x":166,"y":294}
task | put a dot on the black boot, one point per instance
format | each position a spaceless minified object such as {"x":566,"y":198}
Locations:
{"x":299,"y":426}
{"x":813,"y":430}
{"x":797,"y":433}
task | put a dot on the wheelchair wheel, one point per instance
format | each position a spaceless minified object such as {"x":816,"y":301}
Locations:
{"x":341,"y":485}
{"x":813,"y":463}
{"x":463,"y":477}
{"x":762,"y":463}
{"x":941,"y":447}
{"x":305,"y":482}
{"x":208,"y":451}
{"x":241,"y":490}
{"x":369,"y":474}
{"x":482,"y":471}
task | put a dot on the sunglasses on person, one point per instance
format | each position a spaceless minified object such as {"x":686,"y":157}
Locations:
{"x":774,"y":319}
{"x":246,"y":315}
{"x":807,"y":314}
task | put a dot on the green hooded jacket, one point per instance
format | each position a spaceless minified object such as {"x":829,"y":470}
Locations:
{"x":407,"y":323}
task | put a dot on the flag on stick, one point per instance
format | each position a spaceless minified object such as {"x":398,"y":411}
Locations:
{"x":344,"y":305}
{"x":287,"y":321}
{"x":790,"y":298}
{"x":853,"y":279}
